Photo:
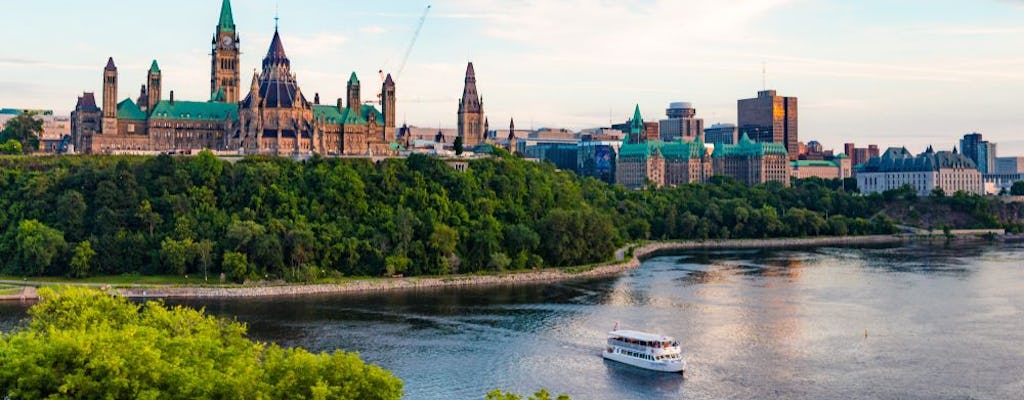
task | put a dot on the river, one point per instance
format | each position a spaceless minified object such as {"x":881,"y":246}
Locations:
{"x":913,"y":322}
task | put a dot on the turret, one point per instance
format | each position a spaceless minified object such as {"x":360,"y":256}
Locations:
{"x":354,"y":100}
{"x":110,"y":98}
{"x":387,"y":101}
{"x":153,"y":83}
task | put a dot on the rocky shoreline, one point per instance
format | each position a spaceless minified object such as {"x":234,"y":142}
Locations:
{"x":639,"y":254}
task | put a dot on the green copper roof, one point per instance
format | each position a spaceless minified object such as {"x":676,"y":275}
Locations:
{"x":353,"y":79}
{"x":227,"y":21}
{"x":636,"y":126}
{"x":814,"y":163}
{"x":219,"y":96}
{"x":127,"y":109}
{"x":747,"y":147}
{"x":332,"y":115}
{"x":676,"y":150}
{"x":195,"y":111}
{"x":154,"y":68}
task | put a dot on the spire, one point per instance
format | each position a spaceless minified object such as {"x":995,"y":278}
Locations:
{"x":276,"y":54}
{"x":155,"y":68}
{"x":636,"y":125}
{"x":388,"y":81}
{"x":110,"y":65}
{"x":471,"y":102}
{"x":227,"y":20}
{"x":354,"y":79}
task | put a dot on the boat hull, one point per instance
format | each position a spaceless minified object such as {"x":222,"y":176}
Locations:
{"x":659,"y":366}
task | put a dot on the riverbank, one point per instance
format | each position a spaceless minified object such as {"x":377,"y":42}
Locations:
{"x":639,"y":254}
{"x":628,"y":258}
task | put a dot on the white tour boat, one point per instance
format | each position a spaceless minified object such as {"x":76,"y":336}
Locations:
{"x":645,"y":350}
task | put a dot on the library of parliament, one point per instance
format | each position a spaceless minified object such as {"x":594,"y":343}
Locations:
{"x":274,"y":118}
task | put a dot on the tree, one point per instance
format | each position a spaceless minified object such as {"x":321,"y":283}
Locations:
{"x":81,"y":260}
{"x":11,"y":147}
{"x":1017,"y":189}
{"x":37,"y":246}
{"x":459,"y":146}
{"x":176,"y":255}
{"x":24,"y":128}
{"x":82,"y":343}
{"x":235,"y":265}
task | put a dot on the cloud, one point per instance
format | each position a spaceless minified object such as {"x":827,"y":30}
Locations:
{"x":314,"y":45}
{"x":373,"y":30}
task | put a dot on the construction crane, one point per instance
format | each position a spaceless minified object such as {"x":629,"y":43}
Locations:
{"x":412,"y":44}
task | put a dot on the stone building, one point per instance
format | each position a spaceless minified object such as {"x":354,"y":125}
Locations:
{"x":471,"y":113}
{"x":275,"y":118}
{"x":950,"y":171}
{"x":642,"y":161}
{"x":752,"y":163}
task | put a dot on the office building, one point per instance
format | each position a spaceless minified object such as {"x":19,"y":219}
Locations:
{"x":1009,"y":165}
{"x":682,"y":123}
{"x":982,"y":152}
{"x":721,"y":134}
{"x":770,"y":118}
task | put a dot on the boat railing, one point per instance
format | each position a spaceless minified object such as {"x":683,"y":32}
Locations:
{"x":637,"y":347}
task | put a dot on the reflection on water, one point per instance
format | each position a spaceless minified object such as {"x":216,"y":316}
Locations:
{"x":940,"y":323}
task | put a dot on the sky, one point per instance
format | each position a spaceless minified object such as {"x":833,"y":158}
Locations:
{"x":893,"y":72}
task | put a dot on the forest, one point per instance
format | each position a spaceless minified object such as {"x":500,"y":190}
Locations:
{"x":264,"y":218}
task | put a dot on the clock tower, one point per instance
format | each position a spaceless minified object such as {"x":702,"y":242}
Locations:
{"x":224,"y":58}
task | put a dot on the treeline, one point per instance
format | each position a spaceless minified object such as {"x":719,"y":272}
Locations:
{"x":273,"y":218}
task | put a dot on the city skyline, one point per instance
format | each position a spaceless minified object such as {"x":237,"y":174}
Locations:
{"x":948,"y":73}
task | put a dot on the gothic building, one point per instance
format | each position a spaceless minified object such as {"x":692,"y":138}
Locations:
{"x":275,"y":118}
{"x":471,"y":113}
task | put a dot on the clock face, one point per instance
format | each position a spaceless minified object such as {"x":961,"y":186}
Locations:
{"x":228,"y":42}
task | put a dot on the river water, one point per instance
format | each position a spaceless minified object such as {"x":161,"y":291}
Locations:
{"x":917,"y":322}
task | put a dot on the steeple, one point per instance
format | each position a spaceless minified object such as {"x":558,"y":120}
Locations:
{"x":110,"y":65}
{"x":387,"y":103}
{"x":276,"y":54}
{"x":471,"y":112}
{"x":227,"y":20}
{"x":154,"y":68}
{"x":636,"y":127}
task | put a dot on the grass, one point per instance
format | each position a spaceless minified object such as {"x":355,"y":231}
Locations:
{"x":119,"y":280}
{"x":7,"y":290}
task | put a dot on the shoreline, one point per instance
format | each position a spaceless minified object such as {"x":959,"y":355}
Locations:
{"x":640,"y":253}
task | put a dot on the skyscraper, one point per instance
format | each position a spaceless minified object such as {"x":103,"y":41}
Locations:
{"x":982,"y":152}
{"x":471,"y":112}
{"x":770,"y":118}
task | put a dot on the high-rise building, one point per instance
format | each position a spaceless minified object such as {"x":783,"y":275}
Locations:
{"x":770,"y":118}
{"x":471,"y":112}
{"x":860,"y":155}
{"x":721,"y":133}
{"x":682,"y":123}
{"x":982,"y":152}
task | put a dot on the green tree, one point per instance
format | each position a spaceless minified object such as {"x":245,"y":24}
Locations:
{"x":86,"y":344}
{"x":176,"y":255}
{"x":11,"y":147}
{"x":24,"y":128}
{"x":235,"y":265}
{"x":81,"y":260}
{"x":37,"y":246}
{"x":1017,"y":189}
{"x":459,"y":146}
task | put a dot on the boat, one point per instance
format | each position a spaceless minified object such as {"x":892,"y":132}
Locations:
{"x":645,"y":350}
